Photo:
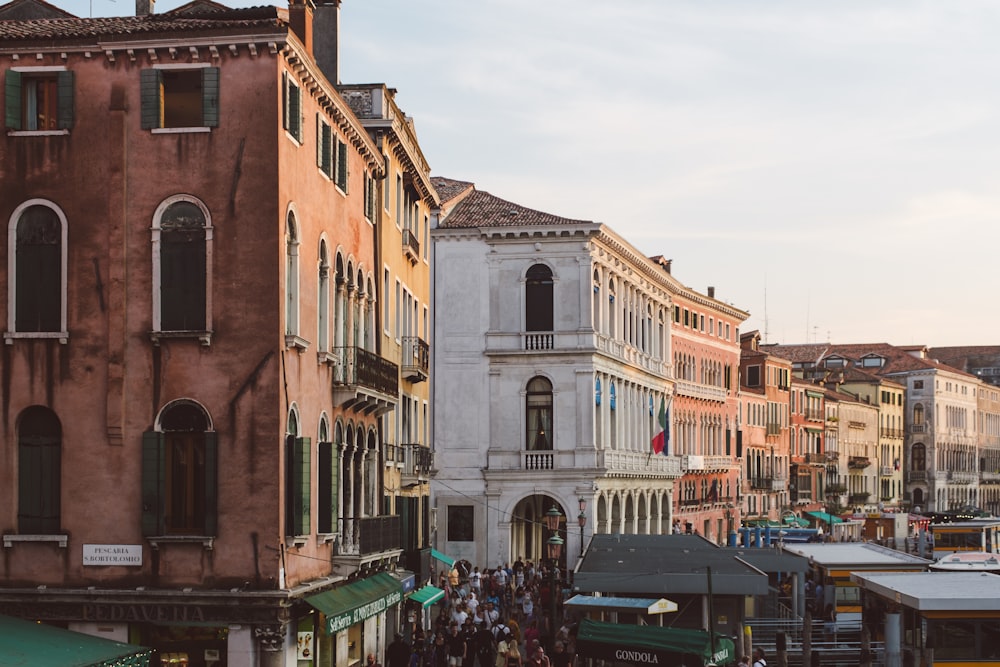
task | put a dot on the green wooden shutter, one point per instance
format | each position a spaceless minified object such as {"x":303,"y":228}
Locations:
{"x":327,"y":150}
{"x":38,"y":481}
{"x":325,"y":487}
{"x":284,"y":100}
{"x":149,"y":84}
{"x":210,"y":96}
{"x":12,"y":86}
{"x":65,"y":88}
{"x":153,"y":484}
{"x":211,"y":482}
{"x":319,"y":141}
{"x":342,"y":165}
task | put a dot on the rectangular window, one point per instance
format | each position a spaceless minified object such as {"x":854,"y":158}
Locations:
{"x":399,"y":201}
{"x":39,"y":100}
{"x":179,"y":98}
{"x":753,"y":376}
{"x":399,"y":307}
{"x":461,"y":523}
{"x":385,"y":300}
{"x":327,"y":488}
{"x":677,"y":314}
{"x":179,"y":487}
{"x":291,"y":119}
{"x":342,"y":166}
{"x":370,"y":197}
{"x":727,"y":332}
{"x":324,"y":147}
{"x":687,"y":317}
{"x":297,"y":498}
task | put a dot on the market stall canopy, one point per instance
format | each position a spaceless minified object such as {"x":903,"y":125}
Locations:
{"x":826,"y":517}
{"x":650,"y":644}
{"x":40,"y":645}
{"x":648,"y":605}
{"x":427,"y":595}
{"x":447,"y":560}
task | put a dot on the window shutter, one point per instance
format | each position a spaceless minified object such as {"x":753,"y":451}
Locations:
{"x":297,"y":485}
{"x":327,"y":150}
{"x":149,"y":83}
{"x":12,"y":85}
{"x":64,"y":116}
{"x":38,"y":485}
{"x":210,"y":96}
{"x":211,"y":482}
{"x":342,"y":165}
{"x":153,"y":483}
{"x":326,"y":488}
{"x":319,"y":141}
{"x":295,"y":111}
{"x":284,"y":100}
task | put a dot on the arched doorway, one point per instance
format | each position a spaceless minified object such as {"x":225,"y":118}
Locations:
{"x":529,"y":534}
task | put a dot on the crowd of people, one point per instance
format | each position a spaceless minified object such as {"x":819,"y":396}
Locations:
{"x":497,"y":617}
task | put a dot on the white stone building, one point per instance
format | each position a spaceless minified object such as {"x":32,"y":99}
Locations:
{"x":551,"y":349}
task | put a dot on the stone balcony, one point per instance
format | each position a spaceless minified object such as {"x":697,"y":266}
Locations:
{"x":698,"y":390}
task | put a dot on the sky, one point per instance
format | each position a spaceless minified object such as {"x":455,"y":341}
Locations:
{"x":831,"y":167}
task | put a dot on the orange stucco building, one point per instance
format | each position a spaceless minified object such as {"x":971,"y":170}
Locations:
{"x":192,"y":383}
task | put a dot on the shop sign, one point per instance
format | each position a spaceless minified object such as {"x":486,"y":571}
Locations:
{"x":129,"y":555}
{"x":335,"y":624}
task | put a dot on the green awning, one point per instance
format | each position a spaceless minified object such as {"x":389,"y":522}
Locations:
{"x":447,"y":560}
{"x":355,"y":602}
{"x":40,"y":645}
{"x":651,"y":644}
{"x":826,"y":518}
{"x":427,"y":595}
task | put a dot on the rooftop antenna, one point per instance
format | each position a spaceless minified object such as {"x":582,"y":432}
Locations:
{"x":766,"y":339}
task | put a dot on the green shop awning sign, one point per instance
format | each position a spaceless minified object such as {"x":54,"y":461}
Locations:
{"x":335,"y":624}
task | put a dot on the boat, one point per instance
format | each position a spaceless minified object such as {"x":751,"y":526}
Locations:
{"x":968,"y":561}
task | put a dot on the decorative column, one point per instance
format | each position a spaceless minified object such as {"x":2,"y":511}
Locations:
{"x":271,"y":645}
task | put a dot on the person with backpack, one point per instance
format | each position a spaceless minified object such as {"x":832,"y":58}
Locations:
{"x":758,"y":658}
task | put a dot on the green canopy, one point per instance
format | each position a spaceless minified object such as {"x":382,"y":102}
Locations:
{"x":40,"y":645}
{"x":447,"y":560}
{"x":826,"y":518}
{"x":427,"y":595}
{"x":352,"y":603}
{"x":651,"y":644}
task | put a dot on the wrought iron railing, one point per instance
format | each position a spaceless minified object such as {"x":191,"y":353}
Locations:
{"x":417,"y":460}
{"x":410,"y":243}
{"x":359,"y":367}
{"x":369,"y":535}
{"x":416,"y":356}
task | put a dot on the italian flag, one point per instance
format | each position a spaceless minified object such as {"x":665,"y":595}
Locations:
{"x":661,"y":441}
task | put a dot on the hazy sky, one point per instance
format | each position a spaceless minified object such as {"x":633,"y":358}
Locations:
{"x":833,"y":168}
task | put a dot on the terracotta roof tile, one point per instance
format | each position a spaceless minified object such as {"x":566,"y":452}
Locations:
{"x":481,"y":209}
{"x":109,"y":28}
{"x":449,"y":188}
{"x":898,"y":359}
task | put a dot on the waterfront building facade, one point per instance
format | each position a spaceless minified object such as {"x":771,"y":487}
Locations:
{"x":192,"y":457}
{"x":553,"y":379}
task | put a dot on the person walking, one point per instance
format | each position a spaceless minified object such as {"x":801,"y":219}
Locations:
{"x":758,"y":658}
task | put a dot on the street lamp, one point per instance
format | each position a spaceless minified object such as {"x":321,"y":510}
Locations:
{"x":581,"y":520}
{"x":555,"y":543}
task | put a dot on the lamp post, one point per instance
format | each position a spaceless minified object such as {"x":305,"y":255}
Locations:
{"x":581,"y":520}
{"x":554,"y":544}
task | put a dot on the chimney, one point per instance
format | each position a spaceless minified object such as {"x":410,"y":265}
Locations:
{"x":711,"y":292}
{"x":326,"y":45}
{"x":144,"y":7}
{"x":300,"y":19}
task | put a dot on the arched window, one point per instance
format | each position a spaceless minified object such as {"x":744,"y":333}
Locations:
{"x":597,"y":302}
{"x":291,"y":276}
{"x":181,"y":254}
{"x":538,"y":405}
{"x":611,"y":308}
{"x":597,"y":391}
{"x":298,"y":475}
{"x":36,"y":248}
{"x":918,"y":414}
{"x":179,"y":481}
{"x":340,"y":301}
{"x":538,"y":299}
{"x":323,"y":307}
{"x":39,"y":471}
{"x":918,"y":457}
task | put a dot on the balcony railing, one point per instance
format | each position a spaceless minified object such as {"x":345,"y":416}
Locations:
{"x":417,"y":462}
{"x":918,"y":428}
{"x":815,"y":457}
{"x":858,"y":462}
{"x":360,"y":368}
{"x":769,"y":483}
{"x":961,"y":476}
{"x":411,"y":246}
{"x":416,"y":359}
{"x":538,"y":460}
{"x":859,"y":498}
{"x":619,"y":461}
{"x":371,"y":535}
{"x":697,"y":390}
{"x":891,"y":432}
{"x":885,"y":471}
{"x":773,"y":428}
{"x":990,"y":476}
{"x":836,"y":489}
{"x":538,"y":340}
{"x":918,"y":476}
